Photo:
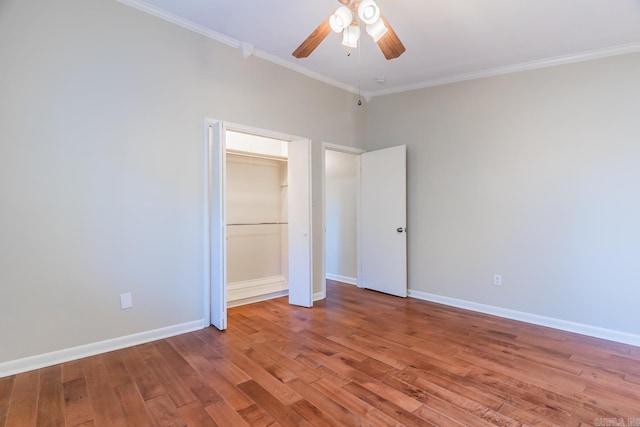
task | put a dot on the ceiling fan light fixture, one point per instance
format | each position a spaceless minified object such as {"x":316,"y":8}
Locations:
{"x":341,"y":19}
{"x":368,"y":12}
{"x":350,"y":36}
{"x":377,"y":29}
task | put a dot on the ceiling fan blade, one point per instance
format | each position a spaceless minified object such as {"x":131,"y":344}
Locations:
{"x":390,"y":43}
{"x":314,"y":39}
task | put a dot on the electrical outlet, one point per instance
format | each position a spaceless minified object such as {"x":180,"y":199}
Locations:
{"x":497,"y":280}
{"x":126,"y":301}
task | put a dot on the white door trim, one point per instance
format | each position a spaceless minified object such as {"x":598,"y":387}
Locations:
{"x":342,"y":149}
{"x":207,"y":273}
{"x":206,"y":240}
{"x":300,"y":219}
{"x":214,"y":216}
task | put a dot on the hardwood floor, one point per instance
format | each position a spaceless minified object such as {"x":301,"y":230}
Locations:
{"x":358,"y":358}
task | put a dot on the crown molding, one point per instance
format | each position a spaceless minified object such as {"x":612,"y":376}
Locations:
{"x":489,"y":72}
{"x":237,"y":44}
{"x":307,"y":72}
{"x":184,"y":23}
{"x":524,"y":66}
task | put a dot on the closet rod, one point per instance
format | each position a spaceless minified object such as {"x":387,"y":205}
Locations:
{"x":259,"y":223}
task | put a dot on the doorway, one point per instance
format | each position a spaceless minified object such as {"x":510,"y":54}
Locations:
{"x":257,"y":222}
{"x":293,"y":273}
{"x":341,"y":194}
{"x":381,"y":230}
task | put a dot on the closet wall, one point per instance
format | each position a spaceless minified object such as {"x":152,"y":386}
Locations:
{"x":257,"y":241}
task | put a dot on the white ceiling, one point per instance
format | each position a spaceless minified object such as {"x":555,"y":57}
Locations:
{"x":446,"y":40}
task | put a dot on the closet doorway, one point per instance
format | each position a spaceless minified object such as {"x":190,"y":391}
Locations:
{"x":257,"y":219}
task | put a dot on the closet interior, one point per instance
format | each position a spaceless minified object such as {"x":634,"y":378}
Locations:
{"x":256,"y":214}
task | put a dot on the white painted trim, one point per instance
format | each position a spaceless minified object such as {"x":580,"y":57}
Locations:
{"x":265,"y":133}
{"x":257,"y":298}
{"x":550,"y":322}
{"x":309,"y":73}
{"x":320,"y":296}
{"x":515,"y":68}
{"x":17,"y":366}
{"x":342,"y":148}
{"x":208,"y":273}
{"x":206,"y":241}
{"x":255,"y":288}
{"x":237,"y":44}
{"x":215,"y":213}
{"x":489,"y":72}
{"x":181,"y":22}
{"x":343,"y":279}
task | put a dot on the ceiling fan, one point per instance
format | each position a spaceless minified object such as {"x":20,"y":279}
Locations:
{"x":345,"y":21}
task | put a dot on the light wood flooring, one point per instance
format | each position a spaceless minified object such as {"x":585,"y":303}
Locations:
{"x":358,"y":358}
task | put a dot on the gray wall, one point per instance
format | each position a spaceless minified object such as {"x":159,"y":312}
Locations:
{"x":101,"y":164}
{"x":533,"y":175}
{"x":341,"y":197}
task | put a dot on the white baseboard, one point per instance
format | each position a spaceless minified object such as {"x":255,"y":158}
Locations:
{"x":13,"y":367}
{"x":320,"y":295}
{"x":563,"y":325}
{"x":257,"y":298}
{"x":343,"y":279}
{"x":252,"y":290}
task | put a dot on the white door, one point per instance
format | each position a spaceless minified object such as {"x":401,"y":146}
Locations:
{"x":217,"y":223}
{"x":383,"y":220}
{"x":299,"y":206}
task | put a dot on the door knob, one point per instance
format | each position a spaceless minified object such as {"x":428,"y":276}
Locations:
{"x":401,"y":229}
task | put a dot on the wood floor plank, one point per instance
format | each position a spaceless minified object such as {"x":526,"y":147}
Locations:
{"x":225,"y":415}
{"x":272,"y":351}
{"x":6,"y":388}
{"x":106,"y":406}
{"x":23,"y":406}
{"x":194,"y":414}
{"x":164,"y":412}
{"x":358,"y":358}
{"x":282,"y":413}
{"x":255,"y":416}
{"x":204,"y":394}
{"x":118,"y":374}
{"x":176,"y":389}
{"x":313,"y":415}
{"x":148,"y":385}
{"x":337,"y":412}
{"x":230,"y":393}
{"x":95,"y":371}
{"x":355,"y":405}
{"x":133,"y":405}
{"x":78,"y":410}
{"x":72,"y":371}
{"x":283,"y":393}
{"x":387,"y":407}
{"x":51,"y":401}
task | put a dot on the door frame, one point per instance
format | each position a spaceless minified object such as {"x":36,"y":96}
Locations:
{"x":326,"y":146}
{"x":212,"y":171}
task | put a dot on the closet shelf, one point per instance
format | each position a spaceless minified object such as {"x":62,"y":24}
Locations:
{"x":258,"y":223}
